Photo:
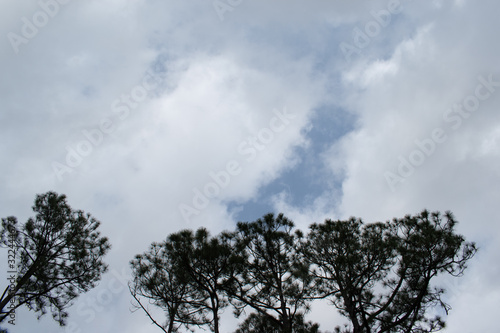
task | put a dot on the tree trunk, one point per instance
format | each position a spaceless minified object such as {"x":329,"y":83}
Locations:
{"x":215,"y":311}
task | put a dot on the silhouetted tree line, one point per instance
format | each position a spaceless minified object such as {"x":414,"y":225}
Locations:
{"x":377,"y":275}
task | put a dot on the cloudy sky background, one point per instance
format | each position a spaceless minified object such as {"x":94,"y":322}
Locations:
{"x":291,"y":106}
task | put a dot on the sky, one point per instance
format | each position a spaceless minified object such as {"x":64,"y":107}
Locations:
{"x":157,"y":116}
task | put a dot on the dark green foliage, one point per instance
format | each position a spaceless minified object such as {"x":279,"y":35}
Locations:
{"x":208,"y":262}
{"x":378,"y":275}
{"x":186,"y":277}
{"x":258,"y":323}
{"x":157,"y":278}
{"x":59,"y":256}
{"x":274,"y":279}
